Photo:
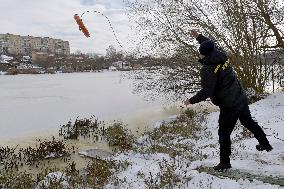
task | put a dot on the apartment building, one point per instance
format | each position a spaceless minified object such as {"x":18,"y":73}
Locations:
{"x":25,"y":45}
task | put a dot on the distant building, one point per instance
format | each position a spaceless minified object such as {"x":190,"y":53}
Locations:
{"x":121,"y":65}
{"x":282,"y":82}
{"x":36,"y":56}
{"x":112,"y":68}
{"x":25,"y":45}
{"x":43,"y":59}
{"x":137,"y":66}
{"x":26,"y":59}
{"x":5,"y":59}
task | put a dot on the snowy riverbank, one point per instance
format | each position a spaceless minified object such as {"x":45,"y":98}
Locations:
{"x":245,"y":158}
{"x":180,"y":152}
{"x":173,"y":154}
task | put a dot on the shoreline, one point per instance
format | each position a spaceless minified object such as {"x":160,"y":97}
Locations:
{"x":137,"y":122}
{"x":179,"y":151}
{"x":130,"y":120}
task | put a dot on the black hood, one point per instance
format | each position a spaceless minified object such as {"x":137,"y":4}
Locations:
{"x":206,"y":47}
{"x":214,"y":58}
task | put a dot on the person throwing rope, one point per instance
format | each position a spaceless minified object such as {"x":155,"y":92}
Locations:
{"x":220,"y":83}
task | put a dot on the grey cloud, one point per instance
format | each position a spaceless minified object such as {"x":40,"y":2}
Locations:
{"x":88,"y":2}
{"x":54,"y":18}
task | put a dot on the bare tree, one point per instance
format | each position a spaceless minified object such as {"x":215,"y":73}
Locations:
{"x":113,"y":55}
{"x":246,"y":29}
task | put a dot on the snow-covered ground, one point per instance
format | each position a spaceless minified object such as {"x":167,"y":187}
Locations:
{"x":245,"y":158}
{"x":270,"y":115}
{"x":39,"y":104}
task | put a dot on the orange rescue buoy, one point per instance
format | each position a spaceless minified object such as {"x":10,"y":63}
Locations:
{"x":81,"y":25}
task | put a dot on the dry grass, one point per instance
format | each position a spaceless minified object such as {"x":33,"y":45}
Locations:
{"x":166,"y":178}
{"x":168,"y":138}
{"x":117,"y":135}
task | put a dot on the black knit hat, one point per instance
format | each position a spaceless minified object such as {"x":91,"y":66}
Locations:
{"x":206,"y":47}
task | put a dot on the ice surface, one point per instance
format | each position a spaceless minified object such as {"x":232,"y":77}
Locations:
{"x":37,"y":104}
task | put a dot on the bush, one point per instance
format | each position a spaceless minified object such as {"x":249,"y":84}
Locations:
{"x":45,"y":150}
{"x":12,"y":71}
{"x":166,"y":178}
{"x":15,"y":71}
{"x":81,"y":128}
{"x":16,"y":180}
{"x":99,"y":171}
{"x":117,"y":135}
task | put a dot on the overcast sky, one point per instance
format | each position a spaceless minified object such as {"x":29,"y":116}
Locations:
{"x":54,"y":18}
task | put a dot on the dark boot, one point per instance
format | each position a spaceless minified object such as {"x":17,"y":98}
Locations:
{"x":222,"y":166}
{"x":267,"y":147}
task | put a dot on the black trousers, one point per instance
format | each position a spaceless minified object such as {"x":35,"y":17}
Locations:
{"x":227,"y":121}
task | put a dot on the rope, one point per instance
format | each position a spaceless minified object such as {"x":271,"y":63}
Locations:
{"x":115,"y":36}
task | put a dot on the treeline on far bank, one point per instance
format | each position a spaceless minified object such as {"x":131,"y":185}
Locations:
{"x":79,"y":62}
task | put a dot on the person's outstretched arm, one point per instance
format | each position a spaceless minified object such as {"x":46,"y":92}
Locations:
{"x":208,"y":83}
{"x":208,"y":77}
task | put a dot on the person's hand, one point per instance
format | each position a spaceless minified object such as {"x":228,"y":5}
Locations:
{"x":194,"y":33}
{"x":187,"y":102}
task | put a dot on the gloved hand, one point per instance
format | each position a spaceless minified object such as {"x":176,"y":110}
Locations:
{"x":194,"y":33}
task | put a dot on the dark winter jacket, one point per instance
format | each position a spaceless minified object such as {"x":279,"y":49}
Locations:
{"x":222,"y":86}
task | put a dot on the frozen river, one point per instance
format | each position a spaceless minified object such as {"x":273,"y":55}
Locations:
{"x":39,"y":104}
